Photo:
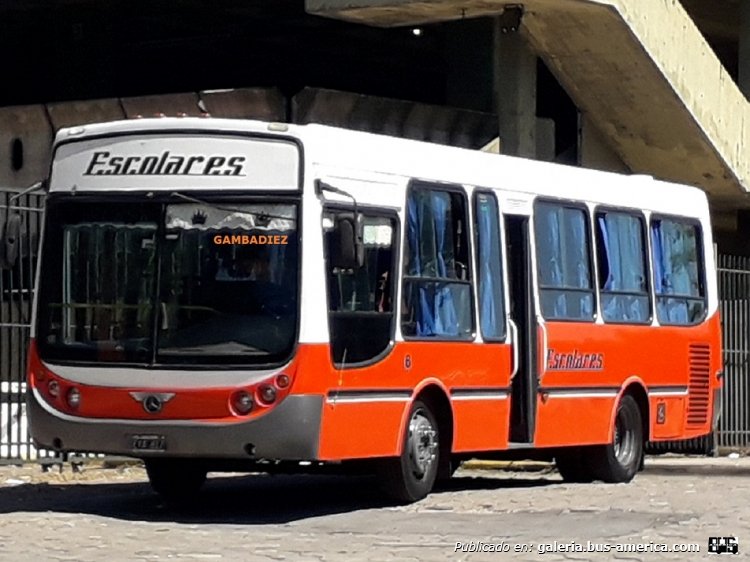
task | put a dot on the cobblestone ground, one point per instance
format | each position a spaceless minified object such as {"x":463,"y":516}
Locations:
{"x":111,"y":514}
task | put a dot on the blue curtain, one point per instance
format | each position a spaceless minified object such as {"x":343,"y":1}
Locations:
{"x":431,"y":255}
{"x":563,"y":262}
{"x":577,"y":255}
{"x":622,"y":239}
{"x":668,"y":309}
{"x":609,"y":283}
{"x":549,"y":250}
{"x":490,"y":274}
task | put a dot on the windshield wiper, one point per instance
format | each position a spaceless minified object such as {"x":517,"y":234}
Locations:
{"x":262,"y":217}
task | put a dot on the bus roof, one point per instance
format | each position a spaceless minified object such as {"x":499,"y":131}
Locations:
{"x":340,"y":149}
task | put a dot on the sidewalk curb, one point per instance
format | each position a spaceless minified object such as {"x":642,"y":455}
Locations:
{"x":508,"y":466}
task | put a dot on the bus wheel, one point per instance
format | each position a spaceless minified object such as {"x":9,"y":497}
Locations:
{"x":573,"y":466}
{"x":175,"y":480}
{"x":620,"y":460}
{"x":411,"y":476}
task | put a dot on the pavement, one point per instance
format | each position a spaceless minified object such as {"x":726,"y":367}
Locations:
{"x":102,"y":512}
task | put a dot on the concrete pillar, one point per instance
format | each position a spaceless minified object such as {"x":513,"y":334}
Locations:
{"x":594,"y":152}
{"x":743,"y":79}
{"x":545,"y":139}
{"x":515,"y":88}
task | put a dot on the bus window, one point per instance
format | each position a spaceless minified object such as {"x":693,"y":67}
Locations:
{"x":489,"y":274}
{"x":622,"y":267}
{"x":360,"y":299}
{"x":562,"y":248}
{"x":437,"y":285}
{"x":678,"y":282}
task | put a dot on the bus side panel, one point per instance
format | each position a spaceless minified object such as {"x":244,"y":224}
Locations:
{"x":360,"y":430}
{"x":586,"y":362}
{"x":480,"y":425}
{"x":667,"y":417}
{"x":364,"y":410}
{"x":573,"y":420}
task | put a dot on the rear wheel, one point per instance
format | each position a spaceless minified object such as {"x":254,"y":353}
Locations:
{"x":175,"y":480}
{"x":620,"y":460}
{"x":411,"y":476}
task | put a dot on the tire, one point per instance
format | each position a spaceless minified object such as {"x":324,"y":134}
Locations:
{"x":573,"y":465}
{"x":175,"y":480}
{"x":411,"y":476}
{"x":620,"y":460}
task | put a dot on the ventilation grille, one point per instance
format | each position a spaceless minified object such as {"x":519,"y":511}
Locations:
{"x":698,"y":398}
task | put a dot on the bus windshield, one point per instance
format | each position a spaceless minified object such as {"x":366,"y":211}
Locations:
{"x":186,"y":283}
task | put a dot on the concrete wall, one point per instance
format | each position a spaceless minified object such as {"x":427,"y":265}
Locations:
{"x":35,"y":126}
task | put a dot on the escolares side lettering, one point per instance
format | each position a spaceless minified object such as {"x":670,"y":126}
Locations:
{"x":574,"y":361}
{"x":103,"y":163}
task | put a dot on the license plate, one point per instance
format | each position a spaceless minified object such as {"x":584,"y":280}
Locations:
{"x":149,"y":443}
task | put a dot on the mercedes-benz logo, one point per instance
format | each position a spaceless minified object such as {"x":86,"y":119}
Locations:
{"x":152,"y":402}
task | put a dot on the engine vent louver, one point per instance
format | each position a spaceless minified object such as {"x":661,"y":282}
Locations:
{"x":698,"y":397}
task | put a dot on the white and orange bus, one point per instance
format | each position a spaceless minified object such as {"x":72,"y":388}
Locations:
{"x":222,"y":294}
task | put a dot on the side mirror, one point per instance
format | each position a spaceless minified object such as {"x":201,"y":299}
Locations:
{"x":10,"y":240}
{"x":349,"y":250}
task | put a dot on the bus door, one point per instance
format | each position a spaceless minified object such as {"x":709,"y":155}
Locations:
{"x":523,"y":321}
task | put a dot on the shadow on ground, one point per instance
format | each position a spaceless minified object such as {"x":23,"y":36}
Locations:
{"x":251,"y":499}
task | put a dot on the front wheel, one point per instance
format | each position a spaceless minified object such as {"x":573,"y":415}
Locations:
{"x":175,"y":480}
{"x":620,"y":460}
{"x":572,"y":464}
{"x":411,"y":476}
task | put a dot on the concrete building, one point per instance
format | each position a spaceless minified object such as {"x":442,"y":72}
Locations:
{"x":643,"y":86}
{"x":660,"y":86}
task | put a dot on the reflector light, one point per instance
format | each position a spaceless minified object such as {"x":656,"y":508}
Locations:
{"x":282,"y":381}
{"x":53,"y":388}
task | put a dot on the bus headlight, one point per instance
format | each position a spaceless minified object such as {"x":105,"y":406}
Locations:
{"x":267,"y":394}
{"x":74,"y":398}
{"x":242,"y":402}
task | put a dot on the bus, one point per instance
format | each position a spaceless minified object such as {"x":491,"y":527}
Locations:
{"x":221,"y":294}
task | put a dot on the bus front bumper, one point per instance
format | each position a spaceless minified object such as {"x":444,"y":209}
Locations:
{"x":291,"y":431}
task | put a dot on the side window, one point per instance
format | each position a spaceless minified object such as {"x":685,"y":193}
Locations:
{"x":564,"y":265}
{"x":622,"y":267}
{"x":678,"y":282}
{"x":436,"y":284}
{"x":360,"y":298}
{"x":489,"y":260}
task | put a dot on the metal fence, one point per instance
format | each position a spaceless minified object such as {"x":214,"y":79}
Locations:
{"x":734,"y":293}
{"x":16,"y":287}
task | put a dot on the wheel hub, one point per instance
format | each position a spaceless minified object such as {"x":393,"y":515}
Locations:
{"x":422,"y":443}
